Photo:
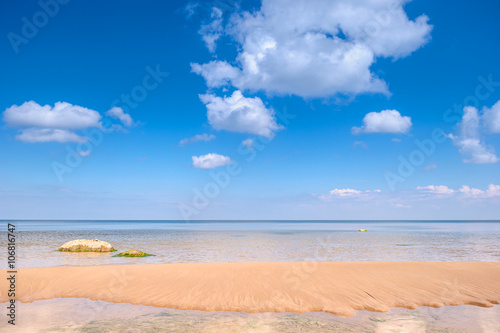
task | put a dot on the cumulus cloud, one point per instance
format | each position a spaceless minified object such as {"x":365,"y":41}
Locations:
{"x":237,"y":113}
{"x":216,"y":73}
{"x":492,"y":118}
{"x":62,"y":115}
{"x":436,"y":189}
{"x":444,"y":191}
{"x":314,"y":48}
{"x":210,"y":161}
{"x":38,"y":123}
{"x":198,"y":137}
{"x":34,"y":135}
{"x":492,"y":191}
{"x":119,"y":114}
{"x":469,"y":141}
{"x":346,"y":192}
{"x":387,"y":121}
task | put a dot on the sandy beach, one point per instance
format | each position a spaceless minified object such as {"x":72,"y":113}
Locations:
{"x":338,"y":288}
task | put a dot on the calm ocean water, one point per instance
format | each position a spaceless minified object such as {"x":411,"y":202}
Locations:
{"x":262,"y":241}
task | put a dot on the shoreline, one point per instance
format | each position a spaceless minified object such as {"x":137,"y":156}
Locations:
{"x":339,"y":288}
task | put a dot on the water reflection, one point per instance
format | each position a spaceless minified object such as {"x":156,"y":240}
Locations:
{"x":456,"y":242}
{"x":82,"y":315}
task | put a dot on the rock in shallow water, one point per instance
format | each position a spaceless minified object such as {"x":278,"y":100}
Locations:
{"x":133,"y":253}
{"x":86,"y":245}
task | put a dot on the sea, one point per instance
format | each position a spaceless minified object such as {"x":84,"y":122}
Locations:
{"x":37,"y":242}
{"x":255,"y":241}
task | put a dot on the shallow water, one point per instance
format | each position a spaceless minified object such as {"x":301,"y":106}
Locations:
{"x":83,"y":315}
{"x":241,"y":241}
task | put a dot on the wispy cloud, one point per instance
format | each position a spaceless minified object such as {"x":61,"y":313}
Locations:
{"x":437,"y":189}
{"x":404,"y":199}
{"x":212,"y":31}
{"x":198,"y":137}
{"x":429,"y":168}
{"x":345,"y":193}
{"x":248,"y":143}
{"x":34,"y":135}
{"x":361,"y":144}
{"x":118,"y":113}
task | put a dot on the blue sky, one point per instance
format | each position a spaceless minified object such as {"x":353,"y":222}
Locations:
{"x":248,"y":110}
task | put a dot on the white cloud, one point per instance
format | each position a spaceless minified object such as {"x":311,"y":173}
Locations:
{"x":211,"y":32}
{"x":387,"y":121}
{"x":478,"y":152}
{"x":62,"y":115}
{"x":437,"y":189}
{"x":396,"y":140}
{"x":38,"y":123}
{"x":118,"y":113}
{"x":198,"y":137}
{"x":248,"y":143}
{"x":492,"y":118}
{"x":469,"y":139}
{"x":441,"y":190}
{"x":492,"y":191}
{"x":35,"y":135}
{"x":240,"y":114}
{"x":216,"y":73}
{"x":315,"y":48}
{"x":471,"y":192}
{"x":345,"y":193}
{"x":210,"y":161}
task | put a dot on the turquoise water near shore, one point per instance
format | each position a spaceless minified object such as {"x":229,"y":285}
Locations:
{"x":258,"y":241}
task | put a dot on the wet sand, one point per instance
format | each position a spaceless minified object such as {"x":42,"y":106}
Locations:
{"x":338,"y":288}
